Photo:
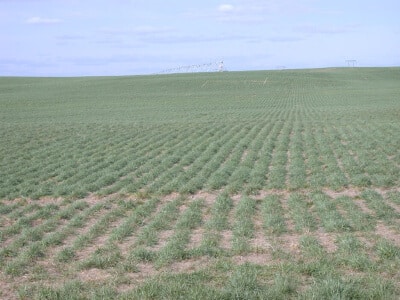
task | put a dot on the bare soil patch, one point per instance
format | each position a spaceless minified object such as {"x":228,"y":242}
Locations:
{"x":146,"y":270}
{"x":387,"y":233}
{"x":288,"y":220}
{"x":52,"y":252}
{"x":163,"y":238}
{"x":130,"y":241}
{"x":327,"y":240}
{"x":395,"y":207}
{"x":127,"y":244}
{"x":226,"y":239}
{"x":7,"y":290}
{"x":209,"y":198}
{"x":253,"y":258}
{"x":171,"y":197}
{"x":363,"y":206}
{"x":349,"y":192}
{"x":290,"y":243}
{"x":90,"y":249}
{"x":42,"y":201}
{"x":341,"y":211}
{"x":384,"y":191}
{"x":94,"y":275}
{"x":260,"y":243}
{"x":236,"y":198}
{"x":189,"y":265}
{"x":195,"y":238}
{"x":264,"y":193}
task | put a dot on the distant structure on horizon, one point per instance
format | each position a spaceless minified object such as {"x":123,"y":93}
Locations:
{"x":217,"y":66}
{"x":351,"y":62}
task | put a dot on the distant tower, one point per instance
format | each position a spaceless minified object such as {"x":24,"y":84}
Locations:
{"x":351,"y":62}
{"x":221,"y":66}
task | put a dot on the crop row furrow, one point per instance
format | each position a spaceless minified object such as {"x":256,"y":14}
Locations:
{"x":334,"y":175}
{"x":243,"y":228}
{"x":25,"y":218}
{"x":278,"y":167}
{"x":178,"y":160}
{"x":264,"y":146}
{"x":175,"y":248}
{"x":217,"y":222}
{"x":296,"y":175}
{"x":32,"y":242}
{"x":105,"y":252}
{"x":209,"y":160}
{"x":229,"y":158}
{"x":240,"y":175}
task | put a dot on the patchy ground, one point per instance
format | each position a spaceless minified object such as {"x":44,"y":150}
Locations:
{"x":96,"y":240}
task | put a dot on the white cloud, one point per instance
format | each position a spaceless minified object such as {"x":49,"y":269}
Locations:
{"x":257,"y":11}
{"x":40,"y":20}
{"x":226,"y":8}
{"x":139,"y":30}
{"x":321,"y":29}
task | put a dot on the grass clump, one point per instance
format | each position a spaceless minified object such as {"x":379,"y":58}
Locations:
{"x":272,"y":213}
{"x":243,"y":228}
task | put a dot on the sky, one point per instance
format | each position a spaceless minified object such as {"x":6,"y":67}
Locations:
{"x":131,"y":37}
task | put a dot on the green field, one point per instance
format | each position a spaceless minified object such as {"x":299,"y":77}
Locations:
{"x":234,"y":185}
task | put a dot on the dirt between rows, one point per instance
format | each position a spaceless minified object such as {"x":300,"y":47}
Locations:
{"x":207,"y":196}
{"x":261,"y":251}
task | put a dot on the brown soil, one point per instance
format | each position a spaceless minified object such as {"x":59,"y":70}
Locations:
{"x":127,"y":244}
{"x":52,"y":252}
{"x":395,"y":206}
{"x":94,"y":275}
{"x":130,"y":241}
{"x":341,"y":211}
{"x":290,"y":243}
{"x":196,"y":238}
{"x":171,"y":197}
{"x":363,"y":206}
{"x":7,"y":290}
{"x":288,"y":220}
{"x":209,"y":198}
{"x":163,"y":238}
{"x":327,"y":240}
{"x":260,"y":243}
{"x":188,"y":266}
{"x":253,"y":258}
{"x":90,"y":249}
{"x":388,"y":233}
{"x":226,"y":239}
{"x":145,"y":270}
{"x":349,"y":192}
{"x":99,"y":241}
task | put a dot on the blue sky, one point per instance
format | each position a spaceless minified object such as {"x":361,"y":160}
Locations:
{"x":123,"y":37}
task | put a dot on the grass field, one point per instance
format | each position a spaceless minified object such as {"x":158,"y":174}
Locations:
{"x":235,"y":185}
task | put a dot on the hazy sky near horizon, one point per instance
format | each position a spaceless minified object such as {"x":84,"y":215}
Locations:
{"x":127,"y":37}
